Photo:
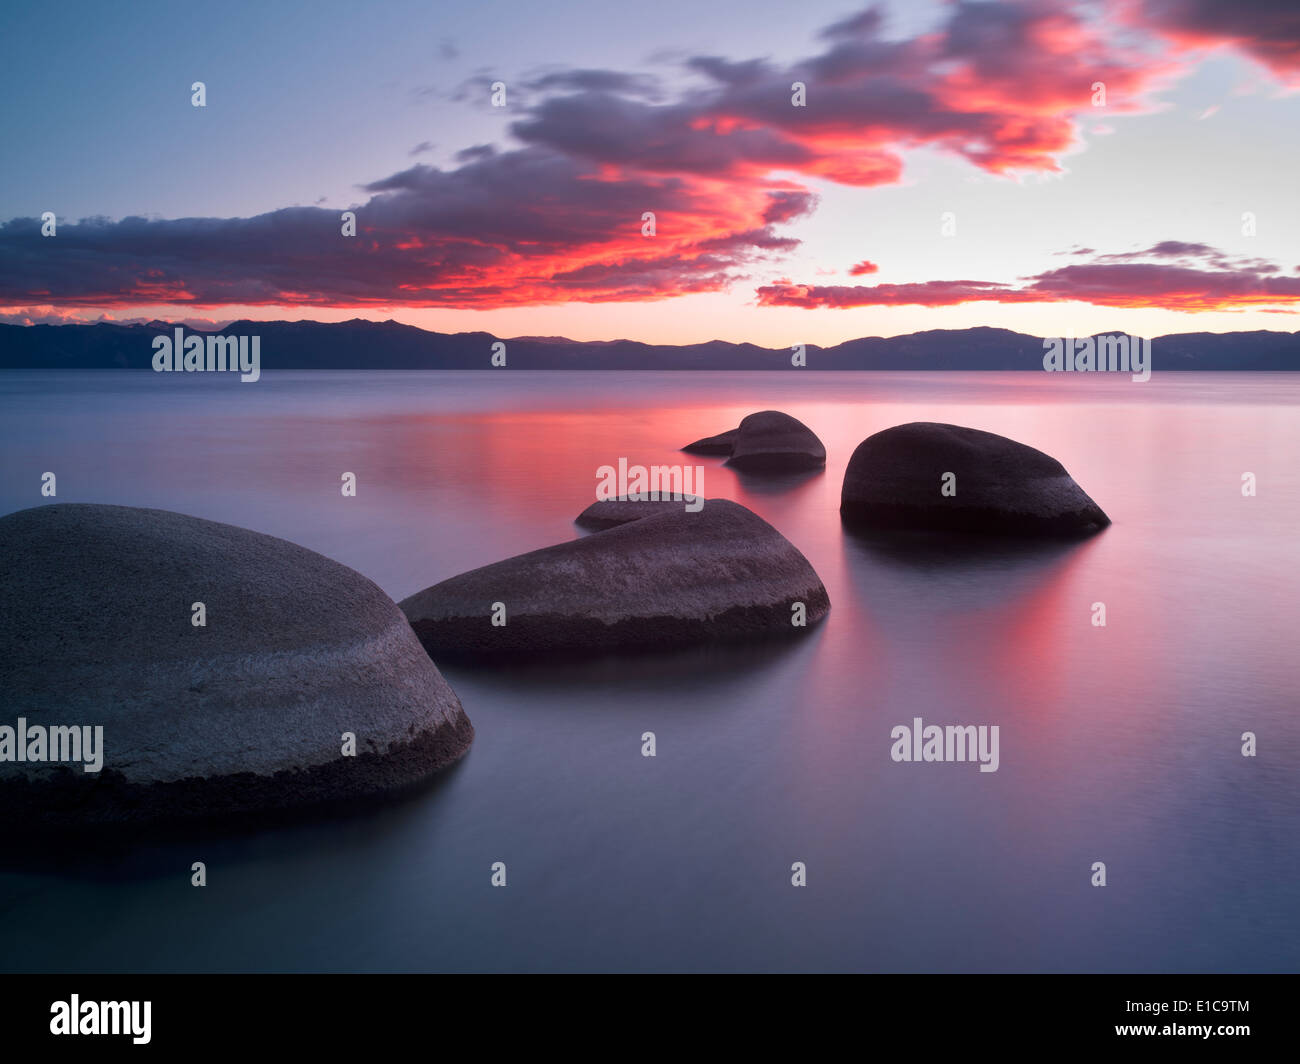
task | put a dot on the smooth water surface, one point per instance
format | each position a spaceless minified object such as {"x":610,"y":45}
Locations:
{"x":1119,"y":744}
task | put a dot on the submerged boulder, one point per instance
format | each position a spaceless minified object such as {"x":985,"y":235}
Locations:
{"x":899,"y":478}
{"x":719,"y":444}
{"x":611,"y":512}
{"x":771,"y":441}
{"x":244,"y":713}
{"x":675,"y":578}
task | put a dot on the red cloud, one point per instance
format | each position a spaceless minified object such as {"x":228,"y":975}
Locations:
{"x":519,"y":228}
{"x":864,"y":267}
{"x":999,"y":83}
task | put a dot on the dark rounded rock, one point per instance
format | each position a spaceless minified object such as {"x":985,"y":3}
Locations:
{"x":895,"y":479}
{"x":719,"y":444}
{"x":676,"y":578}
{"x":613,"y":512}
{"x":243,"y":715}
{"x":771,"y":441}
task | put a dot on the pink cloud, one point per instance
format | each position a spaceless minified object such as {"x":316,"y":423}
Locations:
{"x":1185,"y":277}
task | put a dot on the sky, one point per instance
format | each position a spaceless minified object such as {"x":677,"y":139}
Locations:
{"x":1049,"y":166}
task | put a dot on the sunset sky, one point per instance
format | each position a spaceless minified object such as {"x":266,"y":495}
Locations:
{"x":775,"y":224}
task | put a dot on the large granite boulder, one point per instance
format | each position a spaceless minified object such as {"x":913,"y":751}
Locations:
{"x":719,"y":444}
{"x":244,"y":715}
{"x":773,"y":442}
{"x":676,"y":578}
{"x":896,"y":479}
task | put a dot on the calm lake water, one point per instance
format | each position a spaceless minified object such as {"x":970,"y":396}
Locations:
{"x":1119,"y":744}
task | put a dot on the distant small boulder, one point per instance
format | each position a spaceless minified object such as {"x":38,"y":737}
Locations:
{"x":949,"y":478}
{"x":249,"y":712}
{"x":772,"y":442}
{"x":719,"y":444}
{"x":676,"y":578}
{"x":610,"y":513}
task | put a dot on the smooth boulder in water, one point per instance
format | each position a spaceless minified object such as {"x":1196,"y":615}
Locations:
{"x":245,"y":713}
{"x":672,"y":579}
{"x":949,"y":478}
{"x":773,"y":442}
{"x":609,"y":513}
